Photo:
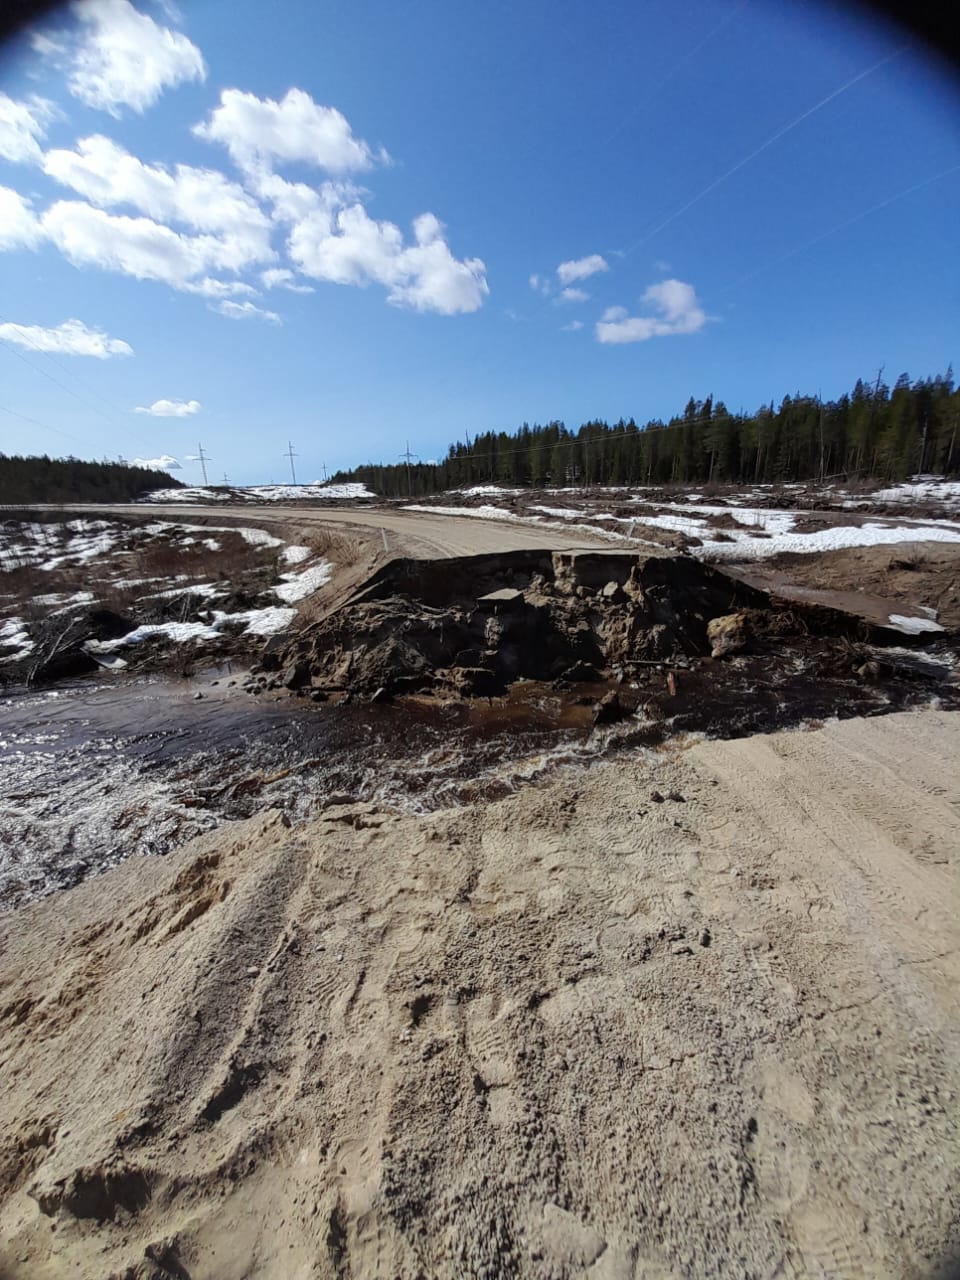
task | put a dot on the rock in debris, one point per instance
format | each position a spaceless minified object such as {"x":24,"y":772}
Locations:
{"x":610,"y":709}
{"x":612,"y":593}
{"x":296,"y":675}
{"x":727,"y":634}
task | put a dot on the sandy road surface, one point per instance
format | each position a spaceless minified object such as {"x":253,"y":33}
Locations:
{"x":588,"y":1030}
{"x":408,"y":532}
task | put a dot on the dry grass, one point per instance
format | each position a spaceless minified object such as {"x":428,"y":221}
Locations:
{"x":339,"y":548}
{"x":233,"y":558}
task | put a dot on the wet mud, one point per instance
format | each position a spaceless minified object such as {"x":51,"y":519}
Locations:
{"x":437,"y":684}
{"x":666,"y":637}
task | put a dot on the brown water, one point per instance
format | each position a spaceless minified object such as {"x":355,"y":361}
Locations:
{"x":93,"y":773}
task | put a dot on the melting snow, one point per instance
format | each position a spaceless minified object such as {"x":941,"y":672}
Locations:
{"x":913,"y":626}
{"x":295,"y":555}
{"x":919,"y":489}
{"x":14,"y":635}
{"x":259,"y":493}
{"x":297,"y":586}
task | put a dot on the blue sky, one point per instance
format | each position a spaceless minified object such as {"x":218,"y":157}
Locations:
{"x":352,"y":225}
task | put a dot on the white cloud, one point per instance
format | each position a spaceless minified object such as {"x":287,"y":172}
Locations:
{"x":164,"y":463}
{"x":573,"y":295}
{"x":259,"y":131}
{"x":208,"y":288}
{"x":145,"y":249}
{"x":675,"y":308}
{"x":202,"y":199}
{"x":581,"y":268}
{"x":121,"y":57}
{"x":246,"y":311}
{"x":352,"y":248}
{"x":22,"y":125}
{"x":283,"y":278}
{"x":661,"y":265}
{"x":170,"y":408}
{"x":573,"y":326}
{"x":19,"y":228}
{"x":72,"y":338}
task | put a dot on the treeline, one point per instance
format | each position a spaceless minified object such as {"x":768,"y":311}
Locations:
{"x":872,"y":432}
{"x":24,"y":481}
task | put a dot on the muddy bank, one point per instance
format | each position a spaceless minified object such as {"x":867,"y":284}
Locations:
{"x":666,"y":638}
{"x":98,"y":771}
{"x":914,"y":577}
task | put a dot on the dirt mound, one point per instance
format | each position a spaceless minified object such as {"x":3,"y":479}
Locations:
{"x":472,"y":626}
{"x":906,"y":577}
{"x":691,"y":1015}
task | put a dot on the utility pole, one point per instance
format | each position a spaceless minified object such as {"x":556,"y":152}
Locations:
{"x":203,"y":459}
{"x":225,"y":480}
{"x":822,"y":467}
{"x":291,"y":455}
{"x":408,"y":455}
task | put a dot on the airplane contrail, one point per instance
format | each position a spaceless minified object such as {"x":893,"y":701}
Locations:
{"x":691,"y":53}
{"x":841,"y":226}
{"x":764,"y":146}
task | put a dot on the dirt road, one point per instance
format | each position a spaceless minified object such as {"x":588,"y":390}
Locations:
{"x":408,"y":532}
{"x":692,"y":1014}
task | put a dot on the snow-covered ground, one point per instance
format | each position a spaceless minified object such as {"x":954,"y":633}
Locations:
{"x":934,"y":489}
{"x":260,"y":493}
{"x":144,"y":572}
{"x":752,"y":528}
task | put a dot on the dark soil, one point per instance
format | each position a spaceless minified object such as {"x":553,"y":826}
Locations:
{"x":637,"y":626}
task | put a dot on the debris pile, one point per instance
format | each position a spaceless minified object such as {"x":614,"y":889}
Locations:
{"x":473,"y":626}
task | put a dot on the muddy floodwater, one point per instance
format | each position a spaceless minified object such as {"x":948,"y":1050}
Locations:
{"x":93,"y":773}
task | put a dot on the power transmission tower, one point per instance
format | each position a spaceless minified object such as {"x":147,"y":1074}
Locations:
{"x":291,"y":455}
{"x":225,"y":480}
{"x":408,"y":455}
{"x":203,"y":459}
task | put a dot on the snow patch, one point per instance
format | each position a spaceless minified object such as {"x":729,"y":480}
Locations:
{"x":258,"y":493}
{"x":297,"y":586}
{"x":913,"y":626}
{"x":14,"y":635}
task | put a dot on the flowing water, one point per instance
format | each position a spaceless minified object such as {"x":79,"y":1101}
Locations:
{"x":93,"y":773}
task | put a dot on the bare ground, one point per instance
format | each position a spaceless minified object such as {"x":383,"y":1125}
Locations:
{"x":874,"y":581}
{"x":691,"y":1015}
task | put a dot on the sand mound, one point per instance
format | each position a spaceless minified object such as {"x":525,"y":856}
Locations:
{"x":694,"y":1015}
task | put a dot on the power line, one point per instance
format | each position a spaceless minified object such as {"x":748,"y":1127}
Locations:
{"x":57,"y":383}
{"x":203,"y":459}
{"x":661,"y":84}
{"x":64,"y":369}
{"x":774,"y":137}
{"x":842,"y":226}
{"x":291,"y":455}
{"x":36,"y":423}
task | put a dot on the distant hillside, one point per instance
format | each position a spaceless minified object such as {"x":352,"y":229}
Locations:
{"x":30,"y":480}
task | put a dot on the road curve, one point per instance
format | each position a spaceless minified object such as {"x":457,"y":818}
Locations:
{"x":412,"y":533}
